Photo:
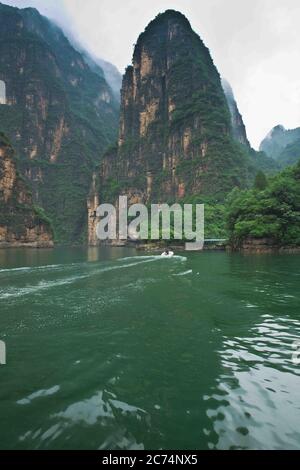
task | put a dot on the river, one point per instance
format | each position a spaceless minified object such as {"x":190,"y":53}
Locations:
{"x":113,"y":349}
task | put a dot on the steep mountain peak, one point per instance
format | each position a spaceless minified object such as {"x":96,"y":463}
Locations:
{"x":162,"y":18}
{"x":175,"y":137}
{"x":32,"y":11}
{"x":277,"y":130}
{"x":166,"y":26}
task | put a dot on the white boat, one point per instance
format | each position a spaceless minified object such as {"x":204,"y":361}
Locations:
{"x":167,"y":254}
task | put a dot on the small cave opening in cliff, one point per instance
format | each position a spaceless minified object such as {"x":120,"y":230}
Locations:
{"x":2,"y":92}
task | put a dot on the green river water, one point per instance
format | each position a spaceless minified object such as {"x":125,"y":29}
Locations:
{"x":112,"y":349}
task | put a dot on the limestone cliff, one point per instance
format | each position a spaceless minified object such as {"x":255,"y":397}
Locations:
{"x":179,"y":136}
{"x":20,"y":223}
{"x":175,"y":136}
{"x":59,"y":115}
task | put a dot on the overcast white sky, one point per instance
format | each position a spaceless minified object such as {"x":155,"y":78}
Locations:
{"x":254,"y":43}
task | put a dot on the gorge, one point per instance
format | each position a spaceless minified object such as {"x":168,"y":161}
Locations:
{"x":181,"y":137}
{"x":111,"y":341}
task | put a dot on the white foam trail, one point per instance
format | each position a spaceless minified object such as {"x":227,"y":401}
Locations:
{"x":128,"y":258}
{"x":67,"y":265}
{"x":185,"y":273}
{"x":49,"y":284}
{"x":41,"y":286}
{"x":31,"y":268}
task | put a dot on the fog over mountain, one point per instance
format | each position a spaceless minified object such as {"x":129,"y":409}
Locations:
{"x":254,"y":44}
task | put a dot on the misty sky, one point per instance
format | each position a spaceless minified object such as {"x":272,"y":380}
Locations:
{"x":255,"y":44}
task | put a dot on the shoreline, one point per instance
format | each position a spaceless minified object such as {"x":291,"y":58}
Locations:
{"x":249,"y":248}
{"x":263,"y":246}
{"x":33,"y":245}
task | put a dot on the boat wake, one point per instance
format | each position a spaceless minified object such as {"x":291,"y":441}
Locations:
{"x":88,"y":270}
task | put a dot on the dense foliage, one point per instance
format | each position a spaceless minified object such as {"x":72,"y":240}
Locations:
{"x":272,"y":212}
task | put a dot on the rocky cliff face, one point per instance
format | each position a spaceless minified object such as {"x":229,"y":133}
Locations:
{"x":283,"y":145}
{"x":175,"y":136}
{"x":58,"y":113}
{"x":238,"y":126}
{"x":20,"y":223}
{"x":264,"y":246}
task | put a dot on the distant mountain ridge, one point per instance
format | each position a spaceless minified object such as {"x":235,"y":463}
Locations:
{"x":283,"y":145}
{"x":110,"y":71}
{"x":100,"y":66}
